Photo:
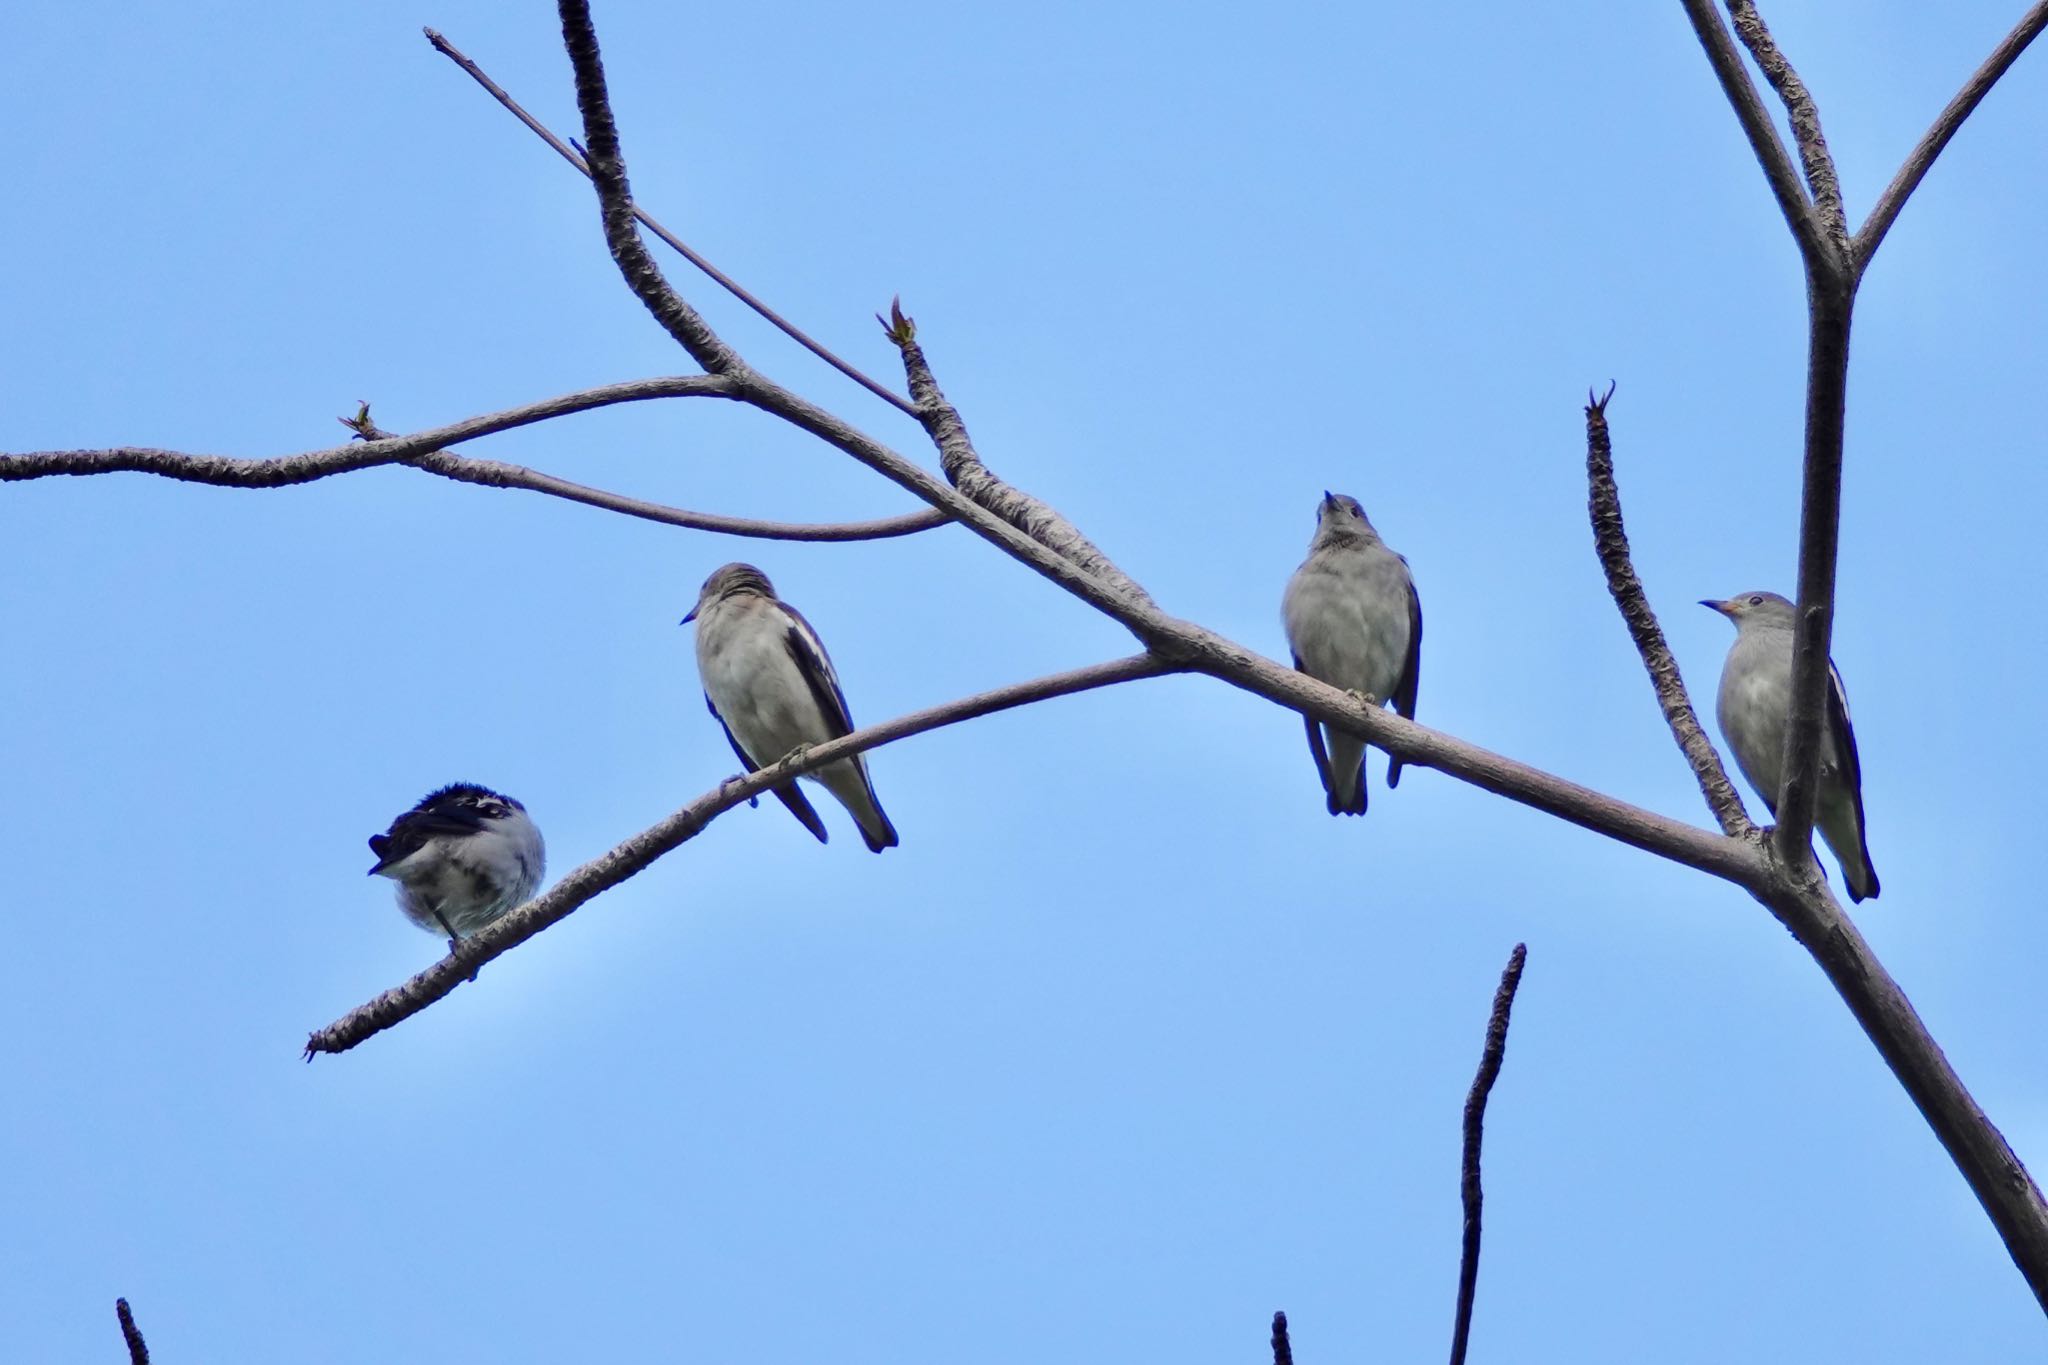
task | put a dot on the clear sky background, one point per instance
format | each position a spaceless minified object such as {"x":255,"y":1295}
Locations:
{"x":1129,"y":1044}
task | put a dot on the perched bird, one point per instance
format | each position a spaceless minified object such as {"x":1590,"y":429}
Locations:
{"x":1755,"y":711}
{"x":1353,"y":621}
{"x":770,"y":684}
{"x":462,"y":857}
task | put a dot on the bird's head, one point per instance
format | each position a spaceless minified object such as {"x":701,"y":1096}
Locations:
{"x":729,"y":579}
{"x":1762,"y":607}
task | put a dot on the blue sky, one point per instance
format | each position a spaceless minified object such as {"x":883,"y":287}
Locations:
{"x":1128,"y":1044}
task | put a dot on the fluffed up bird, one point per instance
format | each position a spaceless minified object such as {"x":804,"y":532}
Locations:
{"x":770,"y":684}
{"x":462,"y":857}
{"x":1353,"y":621}
{"x":1755,"y":710}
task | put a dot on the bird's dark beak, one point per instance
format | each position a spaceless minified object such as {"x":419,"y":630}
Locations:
{"x":687,"y":619}
{"x":1712,"y":604}
{"x":1328,"y":497}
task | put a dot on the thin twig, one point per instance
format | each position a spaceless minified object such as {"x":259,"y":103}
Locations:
{"x":1804,"y":116}
{"x":963,"y":466}
{"x":1283,"y":1350}
{"x":138,"y":1352}
{"x":1610,"y":541}
{"x":634,"y":855}
{"x":1757,"y":127}
{"x":1921,"y":158}
{"x":1475,"y":1123}
{"x":647,"y":220}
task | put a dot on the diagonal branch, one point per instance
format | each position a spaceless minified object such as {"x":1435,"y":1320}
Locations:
{"x":1921,"y":158}
{"x":602,"y":873}
{"x":963,"y":466}
{"x":1756,"y":125}
{"x":1469,"y":1189}
{"x":1610,"y":540}
{"x":1283,"y":1349}
{"x":1805,"y":118}
{"x":725,"y":281}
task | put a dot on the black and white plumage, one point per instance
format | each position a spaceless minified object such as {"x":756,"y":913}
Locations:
{"x":462,"y":857}
{"x":1754,"y":707}
{"x":770,"y":684}
{"x":1353,"y":621}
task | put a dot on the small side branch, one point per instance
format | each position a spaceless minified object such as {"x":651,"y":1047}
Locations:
{"x":633,"y":856}
{"x":647,"y":220}
{"x":964,"y":469}
{"x":1921,"y":158}
{"x":1283,"y":1350}
{"x":1805,"y":118}
{"x":138,"y":1351}
{"x":1475,"y":1123}
{"x":1610,"y":540}
{"x":1756,"y":126}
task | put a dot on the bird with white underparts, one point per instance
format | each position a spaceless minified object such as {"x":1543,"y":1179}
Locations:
{"x":1754,"y":708}
{"x":1353,"y":621}
{"x":462,"y":857}
{"x":770,"y":684}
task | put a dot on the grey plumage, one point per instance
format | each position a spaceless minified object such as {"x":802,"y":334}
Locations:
{"x":462,"y":857}
{"x":1754,"y":707}
{"x":1353,"y":621}
{"x":770,"y":684}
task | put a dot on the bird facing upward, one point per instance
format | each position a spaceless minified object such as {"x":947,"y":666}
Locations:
{"x":770,"y":684}
{"x":1754,"y":707}
{"x":1353,"y":621}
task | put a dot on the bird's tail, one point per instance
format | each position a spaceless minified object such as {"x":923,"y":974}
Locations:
{"x":1346,"y":787}
{"x":848,"y":780}
{"x":1841,"y":824}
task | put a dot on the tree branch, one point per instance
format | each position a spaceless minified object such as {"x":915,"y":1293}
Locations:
{"x":138,"y":1351}
{"x":1805,"y":118}
{"x":1921,"y":159}
{"x":1973,"y":1142}
{"x":1283,"y":1350}
{"x":634,"y":855}
{"x":1610,"y":540}
{"x":963,"y":467}
{"x":1756,"y":125}
{"x":1475,"y":1123}
{"x":230,"y":472}
{"x":725,"y":281}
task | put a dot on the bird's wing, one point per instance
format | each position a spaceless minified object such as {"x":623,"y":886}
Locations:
{"x":816,"y":666}
{"x":1315,"y":742}
{"x":799,"y":804}
{"x":1411,"y":672}
{"x":1844,"y":736}
{"x":410,"y":832}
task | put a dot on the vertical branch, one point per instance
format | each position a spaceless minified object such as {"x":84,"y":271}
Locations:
{"x":138,"y":1353}
{"x":1475,"y":1119}
{"x":1610,"y":541}
{"x":1805,"y":117}
{"x":1283,"y":1350}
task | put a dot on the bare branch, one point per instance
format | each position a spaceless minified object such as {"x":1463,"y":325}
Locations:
{"x":957,"y":457}
{"x":1995,"y":1175}
{"x":725,"y":281}
{"x":1921,"y":158}
{"x":634,"y":855}
{"x":1283,"y":1350}
{"x":1475,"y":1123}
{"x":1756,"y":125}
{"x":1610,"y":540}
{"x":230,"y":472}
{"x":138,"y":1352}
{"x":607,"y":167}
{"x":1821,"y":177}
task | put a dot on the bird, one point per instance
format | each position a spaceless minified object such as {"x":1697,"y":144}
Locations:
{"x":462,"y":857}
{"x":1754,"y":707}
{"x":772,"y":688}
{"x":1353,"y":621}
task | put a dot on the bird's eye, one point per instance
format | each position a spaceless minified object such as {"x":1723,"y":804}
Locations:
{"x":1756,"y":599}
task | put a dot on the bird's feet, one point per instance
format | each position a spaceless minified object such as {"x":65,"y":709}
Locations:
{"x":1365,"y":698}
